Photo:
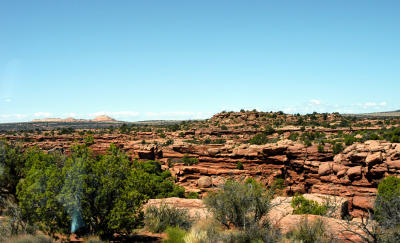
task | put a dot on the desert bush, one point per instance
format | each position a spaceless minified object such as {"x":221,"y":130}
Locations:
{"x":12,"y":163}
{"x":169,"y":142}
{"x":278,"y":184}
{"x":240,"y":204}
{"x":337,"y":148}
{"x":13,"y":224}
{"x":29,"y":239}
{"x":204,"y":231}
{"x":269,"y":130}
{"x":387,"y":203}
{"x":349,"y":140}
{"x":293,"y":136}
{"x":88,"y":140}
{"x":321,"y":148}
{"x":186,"y":160}
{"x":158,"y":219}
{"x":93,"y":239}
{"x":259,"y":139}
{"x":239,"y":165}
{"x":193,"y":195}
{"x":309,"y":232}
{"x":175,"y":235}
{"x":301,"y":205}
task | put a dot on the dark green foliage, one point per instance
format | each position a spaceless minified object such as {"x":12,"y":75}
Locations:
{"x":159,"y":218}
{"x":223,"y":127}
{"x":100,"y":195}
{"x":269,"y":130}
{"x":175,"y":235}
{"x":387,"y":203}
{"x":68,"y":130}
{"x":337,"y":148}
{"x":186,"y":160}
{"x":349,"y":140}
{"x":12,"y":163}
{"x":389,"y":187}
{"x":293,"y":136}
{"x":301,"y":205}
{"x":154,"y":182}
{"x":88,"y":140}
{"x":321,"y":148}
{"x":239,"y":165}
{"x":259,"y":139}
{"x":279,"y":184}
{"x":193,"y":195}
{"x":125,"y":129}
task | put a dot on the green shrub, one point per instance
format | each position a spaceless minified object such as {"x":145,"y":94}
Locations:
{"x":321,"y":148}
{"x":239,"y":165}
{"x":88,"y":140}
{"x":307,"y":232}
{"x":301,"y":205}
{"x":186,"y":160}
{"x":158,"y":219}
{"x":239,"y":203}
{"x":175,"y":235}
{"x":293,"y":136}
{"x":279,"y":184}
{"x":337,"y":148}
{"x":106,"y":192}
{"x":387,"y":203}
{"x":259,"y":139}
{"x":193,"y":195}
{"x":223,"y":127}
{"x":269,"y":130}
{"x":349,"y":140}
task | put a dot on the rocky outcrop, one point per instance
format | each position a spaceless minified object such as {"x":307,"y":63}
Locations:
{"x":353,"y":174}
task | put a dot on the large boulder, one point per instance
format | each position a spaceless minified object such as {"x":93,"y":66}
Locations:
{"x":204,"y":182}
{"x":325,"y":169}
{"x":374,"y":158}
{"x":354,"y":172}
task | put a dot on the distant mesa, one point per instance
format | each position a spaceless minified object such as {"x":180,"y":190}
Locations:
{"x":71,"y":119}
{"x":103,"y":119}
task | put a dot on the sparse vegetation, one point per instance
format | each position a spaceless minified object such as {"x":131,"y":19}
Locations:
{"x":186,"y":160}
{"x":301,"y":205}
{"x":158,"y":219}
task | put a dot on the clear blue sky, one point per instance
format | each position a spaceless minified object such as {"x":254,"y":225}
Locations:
{"x":138,"y":60}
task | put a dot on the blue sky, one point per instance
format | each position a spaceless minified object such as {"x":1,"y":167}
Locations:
{"x":139,"y":60}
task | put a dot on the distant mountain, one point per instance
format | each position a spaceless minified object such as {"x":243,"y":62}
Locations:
{"x":103,"y":119}
{"x":71,"y":119}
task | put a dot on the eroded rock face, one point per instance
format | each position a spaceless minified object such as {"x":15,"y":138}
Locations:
{"x":353,"y":174}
